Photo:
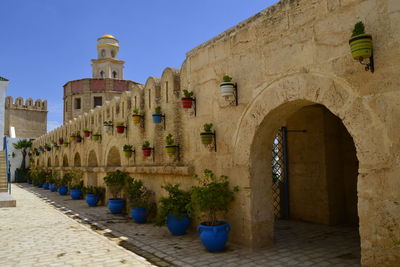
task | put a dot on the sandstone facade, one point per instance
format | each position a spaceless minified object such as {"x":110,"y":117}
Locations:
{"x":287,"y":60}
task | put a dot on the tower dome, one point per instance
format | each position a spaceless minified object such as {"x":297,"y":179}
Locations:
{"x":107,"y":64}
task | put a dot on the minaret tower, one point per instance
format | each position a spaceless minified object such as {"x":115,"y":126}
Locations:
{"x":107,"y":64}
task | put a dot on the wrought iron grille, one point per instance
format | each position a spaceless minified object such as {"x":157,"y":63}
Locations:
{"x":278,"y":171}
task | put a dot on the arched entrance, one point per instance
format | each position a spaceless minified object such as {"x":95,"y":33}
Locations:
{"x":65,"y":161}
{"x":113,"y":157}
{"x":77,"y":160}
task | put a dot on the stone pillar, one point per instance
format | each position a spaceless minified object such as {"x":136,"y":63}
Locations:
{"x":3,"y":90}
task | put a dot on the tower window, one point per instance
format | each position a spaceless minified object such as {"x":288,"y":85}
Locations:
{"x":77,"y":103}
{"x":102,"y":74}
{"x":97,"y":101}
{"x":103,"y":53}
{"x":112,"y":53}
{"x":115,"y":75}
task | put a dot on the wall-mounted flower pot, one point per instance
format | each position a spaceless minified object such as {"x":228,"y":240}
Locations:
{"x":48,"y":148}
{"x":120,"y":129}
{"x":60,"y":142}
{"x":136,"y":118}
{"x":227,"y":89}
{"x":96,"y":137}
{"x":128,"y":153}
{"x":187,"y":102}
{"x":207,"y":138}
{"x":361,"y":46}
{"x":171,"y":150}
{"x":66,"y":144}
{"x":72,"y":138}
{"x":157,"y":118}
{"x":146,"y":151}
{"x":86,"y":133}
{"x":107,"y":128}
{"x":78,"y":139}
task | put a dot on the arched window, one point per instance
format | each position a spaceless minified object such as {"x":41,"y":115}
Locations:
{"x":115,"y":76}
{"x":112,"y":53}
{"x":102,"y":74}
{"x":103,"y":53}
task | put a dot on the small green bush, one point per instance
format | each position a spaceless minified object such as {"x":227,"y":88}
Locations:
{"x":358,"y":29}
{"x":116,"y":181}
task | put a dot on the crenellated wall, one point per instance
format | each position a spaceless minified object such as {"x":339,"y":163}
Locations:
{"x":29,"y":118}
{"x":290,"y":56}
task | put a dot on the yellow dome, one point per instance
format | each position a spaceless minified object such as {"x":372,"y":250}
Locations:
{"x":108,"y":36}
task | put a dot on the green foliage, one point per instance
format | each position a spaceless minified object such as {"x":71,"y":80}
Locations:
{"x":146,"y":144}
{"x":60,"y":139}
{"x":116,"y":181}
{"x":23,"y":145}
{"x":107,"y":123}
{"x":85,"y":130}
{"x":99,"y":191}
{"x":127,"y":148}
{"x":177,"y":203}
{"x":157,"y":110}
{"x":358,"y":29}
{"x":119,"y":123}
{"x":188,"y":93}
{"x":78,"y":185}
{"x":212,"y":196}
{"x":137,"y":194}
{"x":169,"y":140}
{"x":66,"y":179}
{"x":73,"y":135}
{"x":136,"y":111}
{"x":226,"y":79}
{"x":207,"y":127}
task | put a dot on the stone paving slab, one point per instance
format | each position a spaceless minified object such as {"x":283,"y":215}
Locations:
{"x":36,"y":234}
{"x":6,"y":200}
{"x":296,"y":243}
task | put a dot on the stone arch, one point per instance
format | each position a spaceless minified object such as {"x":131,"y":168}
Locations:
{"x":77,"y":160}
{"x":113,"y":157}
{"x":56,"y":162}
{"x":65,"y":161}
{"x":92,"y":159}
{"x":276,"y":102}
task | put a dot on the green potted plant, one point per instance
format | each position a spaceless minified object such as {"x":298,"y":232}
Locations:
{"x":63,"y":183}
{"x":72,"y":137}
{"x":115,"y":182}
{"x":139,"y":198}
{"x":187,"y":100}
{"x":93,"y":194}
{"x":120,"y":125}
{"x":128,"y":150}
{"x":78,"y":137}
{"x":86,"y":132}
{"x":96,"y":137}
{"x":66,"y":144}
{"x":170,"y":147}
{"x":76,"y":184}
{"x":173,"y":209}
{"x":47,"y":147}
{"x":207,"y":136}
{"x":157,"y":116}
{"x":107,"y":125}
{"x":360,"y":43}
{"x":227,"y":87}
{"x":136,"y":117}
{"x":146,"y":149}
{"x":212,"y":197}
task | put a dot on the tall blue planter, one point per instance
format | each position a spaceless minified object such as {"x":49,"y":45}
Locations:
{"x":139,"y":215}
{"x":115,"y":205}
{"x":63,"y":190}
{"x":214,"y":238}
{"x":76,"y":194}
{"x":157,"y":118}
{"x":92,"y":200}
{"x":178,"y":225}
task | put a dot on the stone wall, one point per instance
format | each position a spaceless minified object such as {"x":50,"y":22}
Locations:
{"x":29,"y":118}
{"x":289,"y":56}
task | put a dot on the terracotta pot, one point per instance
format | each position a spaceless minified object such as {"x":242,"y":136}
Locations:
{"x":120,"y":129}
{"x":146,"y":151}
{"x":86,"y":133}
{"x":187,"y":102}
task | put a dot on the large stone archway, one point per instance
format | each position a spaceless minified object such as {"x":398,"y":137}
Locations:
{"x":276,"y":102}
{"x":113,"y":157}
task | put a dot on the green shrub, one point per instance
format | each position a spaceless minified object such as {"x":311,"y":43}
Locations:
{"x":137,"y":194}
{"x":116,"y":181}
{"x":207,"y":127}
{"x":358,"y":29}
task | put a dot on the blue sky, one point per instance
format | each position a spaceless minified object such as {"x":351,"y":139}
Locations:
{"x":46,"y":43}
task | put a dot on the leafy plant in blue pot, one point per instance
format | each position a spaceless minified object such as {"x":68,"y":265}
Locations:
{"x":212,"y":197}
{"x":93,"y":195}
{"x":157,"y":115}
{"x":63,"y":184}
{"x":173,"y":210}
{"x":139,"y":198}
{"x":76,"y":184}
{"x":115,"y":182}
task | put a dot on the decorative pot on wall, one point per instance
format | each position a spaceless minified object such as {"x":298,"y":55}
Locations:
{"x":227,"y":89}
{"x":361,"y":46}
{"x":120,"y":129}
{"x":187,"y":102}
{"x":146,"y":151}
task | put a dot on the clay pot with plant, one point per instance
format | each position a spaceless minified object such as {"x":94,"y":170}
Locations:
{"x":227,"y":87}
{"x":86,"y":132}
{"x":136,"y":117}
{"x":173,"y":209}
{"x":139,"y":199}
{"x":107,"y":125}
{"x":115,"y":182}
{"x":120,"y":125}
{"x":94,"y":194}
{"x":360,"y":42}
{"x":96,"y":137}
{"x":78,"y":137}
{"x":157,"y":116}
{"x":72,"y":137}
{"x":207,"y":136}
{"x":128,"y":150}
{"x":211,"y":198}
{"x":187,"y":100}
{"x":146,"y":149}
{"x":170,"y":145}
{"x":60,"y":141}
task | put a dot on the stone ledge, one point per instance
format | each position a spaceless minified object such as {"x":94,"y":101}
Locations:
{"x":161,"y":169}
{"x":6,"y":201}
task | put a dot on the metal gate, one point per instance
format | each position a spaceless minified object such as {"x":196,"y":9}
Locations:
{"x":280,"y":175}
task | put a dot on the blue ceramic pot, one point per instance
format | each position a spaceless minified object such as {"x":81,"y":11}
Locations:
{"x":178,"y":225}
{"x":63,"y":190}
{"x":139,"y":215}
{"x":92,"y":200}
{"x":116,"y":205}
{"x":214,"y":238}
{"x":76,"y":194}
{"x":157,"y":118}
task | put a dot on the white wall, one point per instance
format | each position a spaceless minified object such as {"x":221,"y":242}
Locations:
{"x":15,"y":162}
{"x":3,"y":90}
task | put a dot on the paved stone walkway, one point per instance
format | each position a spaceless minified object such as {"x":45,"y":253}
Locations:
{"x":36,"y":234}
{"x":296,"y":243}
